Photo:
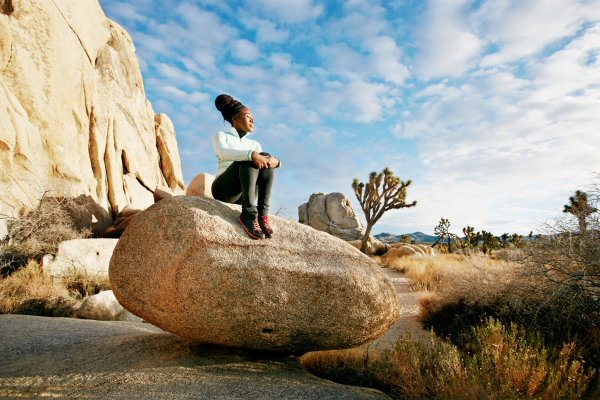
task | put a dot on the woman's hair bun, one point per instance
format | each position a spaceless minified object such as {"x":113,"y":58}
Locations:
{"x":228,"y":106}
{"x":222,"y":101}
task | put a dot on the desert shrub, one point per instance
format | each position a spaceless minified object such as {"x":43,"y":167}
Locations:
{"x":33,"y":233}
{"x":29,"y":291}
{"x":507,"y":363}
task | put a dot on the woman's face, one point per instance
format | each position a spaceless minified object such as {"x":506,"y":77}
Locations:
{"x":243,"y":121}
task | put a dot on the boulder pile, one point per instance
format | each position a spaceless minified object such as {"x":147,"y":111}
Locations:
{"x":331,"y":213}
{"x":187,"y":266}
{"x":404,"y":249}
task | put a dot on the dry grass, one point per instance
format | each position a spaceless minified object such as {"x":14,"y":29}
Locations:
{"x":29,"y":291}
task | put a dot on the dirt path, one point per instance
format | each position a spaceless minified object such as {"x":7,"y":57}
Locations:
{"x":409,"y":311}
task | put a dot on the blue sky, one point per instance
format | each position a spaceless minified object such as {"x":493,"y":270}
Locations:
{"x":491,"y":107}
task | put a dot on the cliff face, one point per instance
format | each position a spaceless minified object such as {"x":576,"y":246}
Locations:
{"x":73,"y":112}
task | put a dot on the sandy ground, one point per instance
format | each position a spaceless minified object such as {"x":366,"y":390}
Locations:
{"x":409,"y":312}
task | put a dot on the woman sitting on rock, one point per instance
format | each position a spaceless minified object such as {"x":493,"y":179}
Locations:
{"x":244,"y":172}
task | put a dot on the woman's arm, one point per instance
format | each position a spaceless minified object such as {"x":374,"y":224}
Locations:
{"x":227,"y":154}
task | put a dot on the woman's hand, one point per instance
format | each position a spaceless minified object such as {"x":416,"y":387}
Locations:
{"x":260,"y":161}
{"x":273,"y":161}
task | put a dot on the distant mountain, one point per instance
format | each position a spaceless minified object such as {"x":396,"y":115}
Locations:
{"x":418,"y":237}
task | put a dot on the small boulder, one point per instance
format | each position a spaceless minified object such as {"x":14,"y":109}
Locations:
{"x":201,"y":186}
{"x":89,"y":256}
{"x":105,"y":307}
{"x":200,"y":276}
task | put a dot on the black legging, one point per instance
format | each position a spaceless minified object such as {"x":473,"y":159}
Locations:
{"x":241,"y":183}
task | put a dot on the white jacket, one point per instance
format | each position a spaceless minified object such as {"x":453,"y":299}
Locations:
{"x":229,"y":148}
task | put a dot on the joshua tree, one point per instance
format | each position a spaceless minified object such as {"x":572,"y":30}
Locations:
{"x":516,"y":240}
{"x":580,"y":208}
{"x":404,"y":239}
{"x":471,"y":239}
{"x":374,"y":204}
{"x":442,"y":232}
{"x":490,"y":242}
{"x":504,"y":239}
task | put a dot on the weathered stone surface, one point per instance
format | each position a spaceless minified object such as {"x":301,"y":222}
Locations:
{"x":105,"y":307}
{"x":131,"y":209}
{"x":331,"y":213}
{"x":73,"y":113}
{"x":187,"y":266}
{"x":201,"y":186}
{"x":76,"y":358}
{"x":404,"y":250}
{"x":3,"y":229}
{"x":303,"y":214}
{"x":89,"y":255}
{"x":162,"y":192}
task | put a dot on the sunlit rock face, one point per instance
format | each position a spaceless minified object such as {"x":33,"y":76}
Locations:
{"x":73,"y":113}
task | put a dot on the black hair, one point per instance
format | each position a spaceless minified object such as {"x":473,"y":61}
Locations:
{"x":228,"y":106}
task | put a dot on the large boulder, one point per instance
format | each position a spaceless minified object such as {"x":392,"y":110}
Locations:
{"x":88,"y":256}
{"x":105,"y":307}
{"x":331,"y":213}
{"x":73,"y":113}
{"x":187,"y":266}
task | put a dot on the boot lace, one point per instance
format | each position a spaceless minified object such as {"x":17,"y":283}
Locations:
{"x":255,"y":225}
{"x":265,"y":221}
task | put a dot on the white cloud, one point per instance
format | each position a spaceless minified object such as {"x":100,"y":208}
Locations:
{"x":176,"y":76}
{"x":245,"y":50}
{"x":290,"y":11}
{"x":448,"y":46}
{"x":385,"y":57}
{"x":178,"y":94}
{"x":523,"y":28}
{"x":266,"y":31}
{"x":367,"y":100}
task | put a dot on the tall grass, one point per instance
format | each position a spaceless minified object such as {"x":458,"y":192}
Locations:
{"x":29,"y":291}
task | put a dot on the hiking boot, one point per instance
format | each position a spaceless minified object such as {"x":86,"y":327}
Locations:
{"x":265,"y":226}
{"x":252,"y":228}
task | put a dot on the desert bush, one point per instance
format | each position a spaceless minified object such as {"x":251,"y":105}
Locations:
{"x":34,"y":233}
{"x":29,"y":291}
{"x":506,"y":363}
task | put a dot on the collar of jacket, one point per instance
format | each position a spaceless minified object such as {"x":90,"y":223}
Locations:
{"x":233,"y":132}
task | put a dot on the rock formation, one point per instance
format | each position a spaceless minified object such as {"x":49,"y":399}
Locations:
{"x":89,"y":256}
{"x":331,"y":213}
{"x":73,"y":112}
{"x":404,"y":249}
{"x":187,"y":266}
{"x":105,"y":307}
{"x":201,"y":186}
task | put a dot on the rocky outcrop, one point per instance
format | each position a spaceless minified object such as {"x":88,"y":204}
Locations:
{"x":187,"y":266}
{"x":403,"y":249}
{"x":105,"y":307}
{"x":88,"y":256}
{"x":201,"y":186}
{"x":73,"y":113}
{"x":331,"y":213}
